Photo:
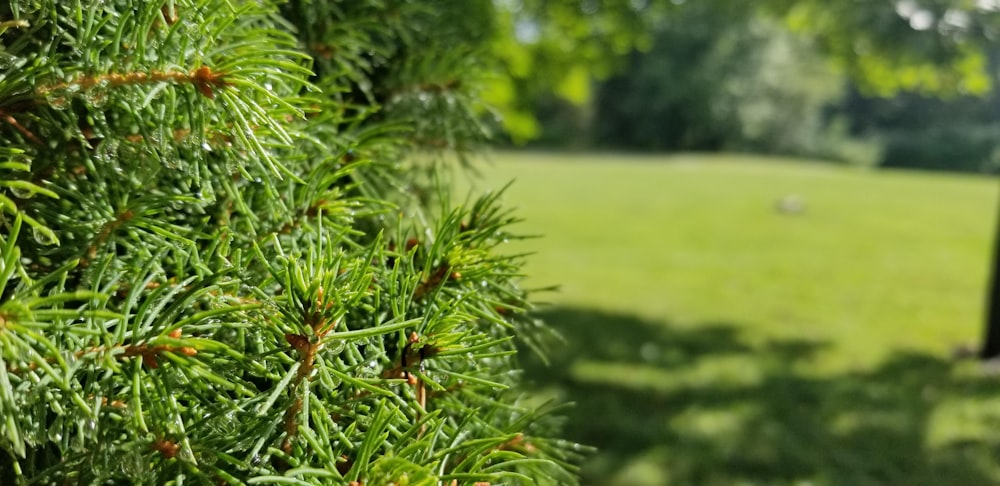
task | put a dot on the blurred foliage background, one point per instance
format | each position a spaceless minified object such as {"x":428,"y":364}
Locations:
{"x":853,"y":82}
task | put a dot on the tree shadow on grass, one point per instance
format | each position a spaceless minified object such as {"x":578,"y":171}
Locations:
{"x":705,"y":405}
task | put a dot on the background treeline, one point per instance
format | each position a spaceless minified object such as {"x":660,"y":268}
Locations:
{"x":737,"y":79}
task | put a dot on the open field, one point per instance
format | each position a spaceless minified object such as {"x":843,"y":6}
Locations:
{"x":714,"y":339}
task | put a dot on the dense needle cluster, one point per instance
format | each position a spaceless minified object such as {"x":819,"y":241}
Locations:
{"x":227,"y":257}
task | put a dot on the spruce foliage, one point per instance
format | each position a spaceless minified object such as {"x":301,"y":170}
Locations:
{"x":227,"y":256}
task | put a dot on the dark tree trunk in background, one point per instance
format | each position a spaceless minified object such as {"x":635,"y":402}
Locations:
{"x":991,"y":344}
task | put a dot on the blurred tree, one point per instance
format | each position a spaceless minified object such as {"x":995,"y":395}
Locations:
{"x":955,"y":133}
{"x":930,"y":46}
{"x":558,"y":46}
{"x":715,"y":80}
{"x":222,"y":260}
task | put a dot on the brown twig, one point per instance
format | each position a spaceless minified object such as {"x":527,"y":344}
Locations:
{"x":411,"y":357}
{"x":440,"y":274}
{"x":119,"y":404}
{"x":169,"y":14}
{"x":103,"y":235}
{"x":518,"y":443}
{"x":7,"y":117}
{"x":167,"y":448}
{"x":307,"y":349}
{"x":148,"y":353}
{"x":202,"y":78}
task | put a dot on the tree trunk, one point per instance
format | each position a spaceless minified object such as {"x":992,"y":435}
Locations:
{"x":991,"y":343}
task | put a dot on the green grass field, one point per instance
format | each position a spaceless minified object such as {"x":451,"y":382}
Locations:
{"x":712,"y":339}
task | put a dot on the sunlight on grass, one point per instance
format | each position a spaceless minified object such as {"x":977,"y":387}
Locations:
{"x":716,"y":337}
{"x":897,"y":257}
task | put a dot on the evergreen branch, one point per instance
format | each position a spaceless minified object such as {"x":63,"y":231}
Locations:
{"x":254,"y":283}
{"x":203,"y":79}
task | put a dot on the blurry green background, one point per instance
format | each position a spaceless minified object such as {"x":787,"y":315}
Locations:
{"x":899,"y":83}
{"x":760,"y":281}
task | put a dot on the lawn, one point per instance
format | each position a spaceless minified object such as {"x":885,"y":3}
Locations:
{"x":712,"y":338}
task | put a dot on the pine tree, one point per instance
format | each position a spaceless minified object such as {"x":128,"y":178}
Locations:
{"x":228,"y":254}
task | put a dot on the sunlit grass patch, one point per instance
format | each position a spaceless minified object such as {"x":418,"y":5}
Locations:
{"x":714,"y":336}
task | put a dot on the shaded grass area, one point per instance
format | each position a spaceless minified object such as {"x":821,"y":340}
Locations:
{"x":705,"y":405}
